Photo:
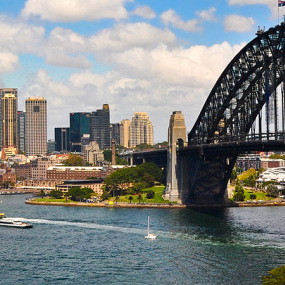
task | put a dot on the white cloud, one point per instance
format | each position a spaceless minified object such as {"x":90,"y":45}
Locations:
{"x":207,"y":15}
{"x":157,"y":81}
{"x":171,"y":17}
{"x":125,"y":36}
{"x":144,"y":12}
{"x":271,"y":4}
{"x":8,"y":62}
{"x":74,"y":10}
{"x":18,"y":37}
{"x":237,"y":23}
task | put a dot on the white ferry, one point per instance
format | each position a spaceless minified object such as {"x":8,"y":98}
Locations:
{"x":10,"y":223}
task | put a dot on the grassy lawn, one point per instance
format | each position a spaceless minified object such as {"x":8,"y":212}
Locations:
{"x":259,"y":195}
{"x":47,"y":199}
{"x":157,"y":198}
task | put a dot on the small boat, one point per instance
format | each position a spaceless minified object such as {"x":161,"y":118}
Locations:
{"x":149,"y":235}
{"x":10,"y":223}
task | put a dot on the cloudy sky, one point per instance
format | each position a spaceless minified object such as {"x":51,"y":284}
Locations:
{"x":154,"y":56}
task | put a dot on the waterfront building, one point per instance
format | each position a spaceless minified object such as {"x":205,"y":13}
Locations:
{"x":61,"y":136}
{"x":95,"y":184}
{"x":272,"y":163}
{"x":115,"y":133}
{"x":3,"y":92}
{"x":92,"y":154}
{"x":125,"y":133}
{"x":79,"y":125}
{"x":100,"y":130}
{"x":7,"y":175}
{"x":141,"y":130}
{"x":74,"y":172}
{"x":40,"y":166}
{"x":249,"y":161}
{"x":36,"y":126}
{"x":21,"y":130}
{"x":9,"y":120}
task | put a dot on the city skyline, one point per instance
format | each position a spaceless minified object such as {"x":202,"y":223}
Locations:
{"x":136,"y":56}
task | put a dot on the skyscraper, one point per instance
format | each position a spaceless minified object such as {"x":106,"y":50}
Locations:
{"x":141,"y":130}
{"x":100,"y":130}
{"x":36,"y":126}
{"x":21,"y":130}
{"x":9,"y":120}
{"x":79,"y":125}
{"x":4,"y":91}
{"x":125,"y":133}
{"x":115,"y":133}
{"x":61,"y":136}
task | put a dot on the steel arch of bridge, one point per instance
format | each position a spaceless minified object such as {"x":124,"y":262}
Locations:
{"x":241,"y":91}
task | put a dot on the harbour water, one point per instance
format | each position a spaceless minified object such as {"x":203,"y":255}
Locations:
{"x":73,"y":245}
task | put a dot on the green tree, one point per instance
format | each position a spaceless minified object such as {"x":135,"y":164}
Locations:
{"x":252,"y":196}
{"x":275,"y":276}
{"x":131,"y":198}
{"x":143,"y":146}
{"x":272,"y":190}
{"x":150,"y":194}
{"x":42,"y":193}
{"x":78,"y":193}
{"x":140,"y":198}
{"x":239,"y":192}
{"x":57,"y":194}
{"x":107,"y":155}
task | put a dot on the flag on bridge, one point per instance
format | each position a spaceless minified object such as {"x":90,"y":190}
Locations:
{"x":281,"y":3}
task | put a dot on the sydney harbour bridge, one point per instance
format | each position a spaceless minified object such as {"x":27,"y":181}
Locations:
{"x":245,"y":111}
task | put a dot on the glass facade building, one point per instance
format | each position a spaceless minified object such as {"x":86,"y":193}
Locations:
{"x":79,"y":125}
{"x":61,"y":136}
{"x":100,"y":130}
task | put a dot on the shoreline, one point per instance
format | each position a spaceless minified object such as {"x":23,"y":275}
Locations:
{"x":158,"y":206}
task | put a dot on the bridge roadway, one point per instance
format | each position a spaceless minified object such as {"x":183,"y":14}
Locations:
{"x":238,"y":147}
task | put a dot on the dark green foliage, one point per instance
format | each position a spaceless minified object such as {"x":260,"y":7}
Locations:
{"x":78,"y":194}
{"x":272,"y":190}
{"x":141,"y":176}
{"x":143,"y":146}
{"x":239,"y":193}
{"x":252,"y":196}
{"x":140,"y":198}
{"x":275,"y":276}
{"x":57,"y":194}
{"x":42,"y":193}
{"x":105,"y":195}
{"x":150,"y":194}
{"x":131,"y":198}
{"x":107,"y":155}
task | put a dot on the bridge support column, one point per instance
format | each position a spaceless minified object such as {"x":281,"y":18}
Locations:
{"x":176,"y":139}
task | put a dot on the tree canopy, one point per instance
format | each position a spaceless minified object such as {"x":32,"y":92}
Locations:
{"x":275,"y":276}
{"x":74,"y":160}
{"x":78,"y":193}
{"x":137,"y":178}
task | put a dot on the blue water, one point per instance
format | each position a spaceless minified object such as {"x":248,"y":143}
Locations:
{"x":71,"y":245}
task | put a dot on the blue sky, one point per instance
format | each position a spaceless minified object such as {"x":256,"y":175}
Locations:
{"x":136,"y":55}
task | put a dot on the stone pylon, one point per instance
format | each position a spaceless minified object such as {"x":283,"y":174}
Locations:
{"x":176,"y":139}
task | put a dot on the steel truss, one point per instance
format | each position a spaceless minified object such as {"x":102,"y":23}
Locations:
{"x":235,"y":103}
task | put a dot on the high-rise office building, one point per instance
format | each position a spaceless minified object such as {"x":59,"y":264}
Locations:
{"x":9,"y":120}
{"x":125,"y":133}
{"x":141,"y":130}
{"x":4,"y":91}
{"x":61,"y":136}
{"x":100,"y":130}
{"x":115,"y":133}
{"x":79,"y":125}
{"x":21,"y":130}
{"x":36,"y":126}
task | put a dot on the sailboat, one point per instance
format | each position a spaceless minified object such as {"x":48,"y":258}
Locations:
{"x":149,"y":235}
